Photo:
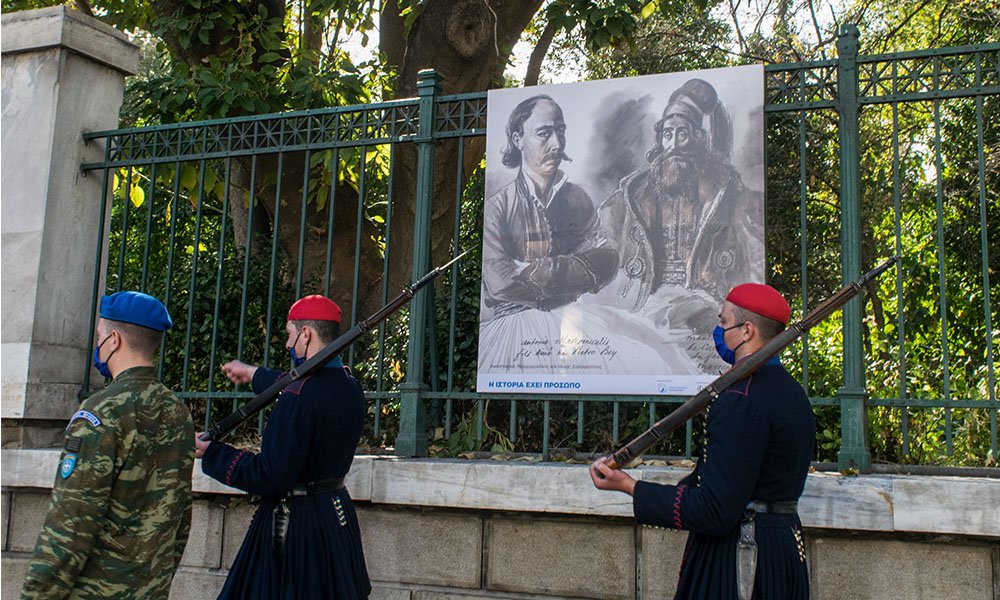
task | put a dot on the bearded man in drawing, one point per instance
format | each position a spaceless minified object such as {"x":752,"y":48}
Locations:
{"x":686,"y":227}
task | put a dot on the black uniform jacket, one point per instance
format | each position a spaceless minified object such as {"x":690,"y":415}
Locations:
{"x":760,"y":437}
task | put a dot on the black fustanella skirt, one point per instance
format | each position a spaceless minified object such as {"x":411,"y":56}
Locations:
{"x":322,"y":557}
{"x":709,"y":568}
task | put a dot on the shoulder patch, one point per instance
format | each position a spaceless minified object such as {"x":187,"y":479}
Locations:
{"x":73,"y":443}
{"x":85,"y":414}
{"x":67,"y":466}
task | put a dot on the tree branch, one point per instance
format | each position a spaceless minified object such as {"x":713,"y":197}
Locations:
{"x":906,"y":20}
{"x":736,"y":24}
{"x":760,"y":18}
{"x":312,"y":32}
{"x":332,"y":42}
{"x":819,"y":36}
{"x":84,"y":7}
{"x":538,"y":54}
{"x":392,"y":34}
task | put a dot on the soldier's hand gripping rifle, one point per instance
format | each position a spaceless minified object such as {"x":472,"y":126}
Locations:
{"x":740,"y":370}
{"x":227,"y":425}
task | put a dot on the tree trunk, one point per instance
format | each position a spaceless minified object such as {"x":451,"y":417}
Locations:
{"x":315,"y":269}
{"x":466,"y":42}
{"x":477,"y":35}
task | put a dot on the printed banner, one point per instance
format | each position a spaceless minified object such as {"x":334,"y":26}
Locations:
{"x":618,"y":215}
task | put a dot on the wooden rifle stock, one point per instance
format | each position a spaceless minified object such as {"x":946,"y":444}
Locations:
{"x":700,"y":401}
{"x":229,"y":424}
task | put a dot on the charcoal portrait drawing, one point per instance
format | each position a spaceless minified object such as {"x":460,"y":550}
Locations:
{"x":618,"y":214}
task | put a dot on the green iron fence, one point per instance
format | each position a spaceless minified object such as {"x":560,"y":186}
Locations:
{"x":228,"y":221}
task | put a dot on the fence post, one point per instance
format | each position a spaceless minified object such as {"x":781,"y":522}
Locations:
{"x":63,"y":75}
{"x":853,"y":414}
{"x":412,"y":438}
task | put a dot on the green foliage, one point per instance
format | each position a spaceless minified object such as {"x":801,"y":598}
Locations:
{"x":173,"y":247}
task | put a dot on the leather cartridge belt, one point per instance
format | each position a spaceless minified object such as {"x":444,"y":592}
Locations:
{"x":777,"y":507}
{"x":323,"y":486}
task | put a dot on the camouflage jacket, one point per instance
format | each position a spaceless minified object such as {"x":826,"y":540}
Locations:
{"x":120,"y":511}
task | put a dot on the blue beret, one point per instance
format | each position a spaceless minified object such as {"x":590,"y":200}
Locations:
{"x":136,"y":308}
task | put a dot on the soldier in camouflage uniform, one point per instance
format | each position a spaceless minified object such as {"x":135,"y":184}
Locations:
{"x":120,"y":511}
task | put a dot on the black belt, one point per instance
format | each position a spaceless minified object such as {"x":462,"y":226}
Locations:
{"x":778,"y":507}
{"x":323,"y":486}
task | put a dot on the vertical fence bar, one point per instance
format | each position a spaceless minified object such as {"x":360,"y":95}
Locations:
{"x":942,"y":288}
{"x":904,"y":422}
{"x":579,"y":423}
{"x":302,"y":225}
{"x":432,"y":352}
{"x":359,"y":223}
{"x":330,"y":222}
{"x":170,"y":256}
{"x":98,"y":271}
{"x":432,"y":347}
{"x":123,"y":247}
{"x":453,"y":306}
{"x":480,"y":419}
{"x":412,"y":438}
{"x":513,"y":422}
{"x":247,"y":252}
{"x":688,"y":446}
{"x":803,"y":245}
{"x":990,"y":374}
{"x":274,"y":260}
{"x":380,"y":377}
{"x":218,"y":287}
{"x":614,"y":422}
{"x":547,"y":425}
{"x":853,"y":415}
{"x":456,"y":234}
{"x":151,"y":195}
{"x":275,"y":227}
{"x":194,"y":272}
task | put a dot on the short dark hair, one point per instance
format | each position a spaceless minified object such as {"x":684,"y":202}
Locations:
{"x":515,"y":124}
{"x":326,"y":330}
{"x":139,"y":339}
{"x":768,"y":328}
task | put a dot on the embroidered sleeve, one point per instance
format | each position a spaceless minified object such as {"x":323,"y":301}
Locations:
{"x":677,"y":506}
{"x":232,"y":465}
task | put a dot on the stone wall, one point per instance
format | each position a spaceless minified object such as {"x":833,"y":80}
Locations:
{"x":464,"y":530}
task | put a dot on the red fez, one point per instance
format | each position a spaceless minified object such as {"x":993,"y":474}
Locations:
{"x":761,"y":299}
{"x":314,"y":308}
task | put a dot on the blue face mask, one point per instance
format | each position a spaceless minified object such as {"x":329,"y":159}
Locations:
{"x":102,"y":366}
{"x":728,"y":354}
{"x":296,"y":359}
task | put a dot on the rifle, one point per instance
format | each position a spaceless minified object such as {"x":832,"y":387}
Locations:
{"x":227,"y":425}
{"x":701,"y":400}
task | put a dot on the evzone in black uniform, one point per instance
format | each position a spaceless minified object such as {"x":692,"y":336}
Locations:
{"x":758,"y":443}
{"x":304,"y":540}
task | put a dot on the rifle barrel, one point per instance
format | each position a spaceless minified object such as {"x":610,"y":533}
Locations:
{"x":330,"y":351}
{"x":697,"y":403}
